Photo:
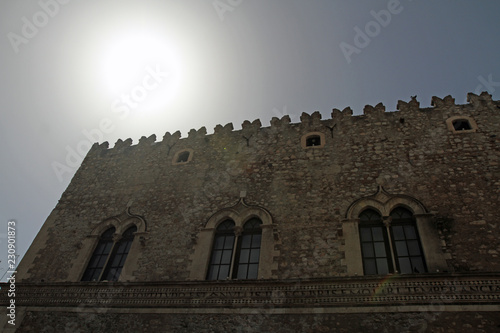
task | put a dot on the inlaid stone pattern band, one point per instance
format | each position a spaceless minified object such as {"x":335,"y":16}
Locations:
{"x":311,"y":293}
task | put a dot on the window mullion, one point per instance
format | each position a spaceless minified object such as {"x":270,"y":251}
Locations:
{"x":233,"y":256}
{"x":387,"y":223}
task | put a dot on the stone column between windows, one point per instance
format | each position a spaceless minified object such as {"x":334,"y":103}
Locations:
{"x":237,"y":234}
{"x":387,"y":223}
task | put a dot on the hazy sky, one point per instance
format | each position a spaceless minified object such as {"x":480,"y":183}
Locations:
{"x":74,"y":71}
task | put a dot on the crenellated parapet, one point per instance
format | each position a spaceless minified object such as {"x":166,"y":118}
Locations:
{"x":278,"y":123}
{"x":195,"y":134}
{"x":374,"y":110}
{"x":308,"y":123}
{"x":446,"y":102}
{"x":412,"y":105}
{"x":484,"y":99}
{"x":337,"y":114}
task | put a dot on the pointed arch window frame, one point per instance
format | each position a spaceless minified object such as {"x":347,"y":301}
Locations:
{"x":240,"y":214}
{"x":89,"y":243}
{"x":384,"y":203}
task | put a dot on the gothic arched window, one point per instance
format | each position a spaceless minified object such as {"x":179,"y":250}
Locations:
{"x":119,"y":255}
{"x":374,"y":244}
{"x":244,"y":262}
{"x":248,"y":251}
{"x":109,"y":257}
{"x":407,"y":248}
{"x":222,"y":252}
{"x":100,"y":256}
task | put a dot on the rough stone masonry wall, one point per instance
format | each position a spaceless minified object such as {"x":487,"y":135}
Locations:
{"x":261,"y":322}
{"x":307,"y":191}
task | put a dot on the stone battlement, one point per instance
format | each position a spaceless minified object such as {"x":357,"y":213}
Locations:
{"x":313,"y":121}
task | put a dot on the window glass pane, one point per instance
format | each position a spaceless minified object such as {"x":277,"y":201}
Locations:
{"x":253,"y":270}
{"x":256,"y":240}
{"x":366,"y":234}
{"x":127,"y":248}
{"x":226,"y":257}
{"x":370,"y":267}
{"x":227,"y":225}
{"x":401,"y":250}
{"x":212,"y":272}
{"x":418,"y":265}
{"x":254,"y":256}
{"x":223,"y":272}
{"x":410,"y":232}
{"x":413,"y":248}
{"x":379,"y":249}
{"x":242,"y":271}
{"x":216,"y":257}
{"x":246,"y":240}
{"x":122,"y":246}
{"x":378,"y":234}
{"x":115,"y":262}
{"x":405,"y":266}
{"x":398,"y":233}
{"x":368,"y":250}
{"x":93,"y":275}
{"x":102,"y":261}
{"x":244,"y":255}
{"x":219,"y":242}
{"x":369,"y":215}
{"x":94,"y":261}
{"x":229,"y":242}
{"x":382,"y":266}
{"x":252,"y":224}
{"x":112,"y":275}
{"x":122,"y":261}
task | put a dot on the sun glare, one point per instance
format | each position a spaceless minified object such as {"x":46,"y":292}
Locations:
{"x":140,"y":62}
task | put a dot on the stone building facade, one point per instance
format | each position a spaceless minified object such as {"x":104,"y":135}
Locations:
{"x":383,"y":222}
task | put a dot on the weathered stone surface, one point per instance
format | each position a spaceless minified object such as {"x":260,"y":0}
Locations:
{"x":306,"y":190}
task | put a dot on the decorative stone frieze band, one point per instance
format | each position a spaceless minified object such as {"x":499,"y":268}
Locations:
{"x":390,"y":291}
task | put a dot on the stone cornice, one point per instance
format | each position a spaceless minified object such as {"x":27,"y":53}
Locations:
{"x":396,"y":290}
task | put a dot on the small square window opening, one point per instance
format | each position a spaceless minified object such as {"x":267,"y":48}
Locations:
{"x":183,"y":157}
{"x":461,"y":125}
{"x":313,"y":140}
